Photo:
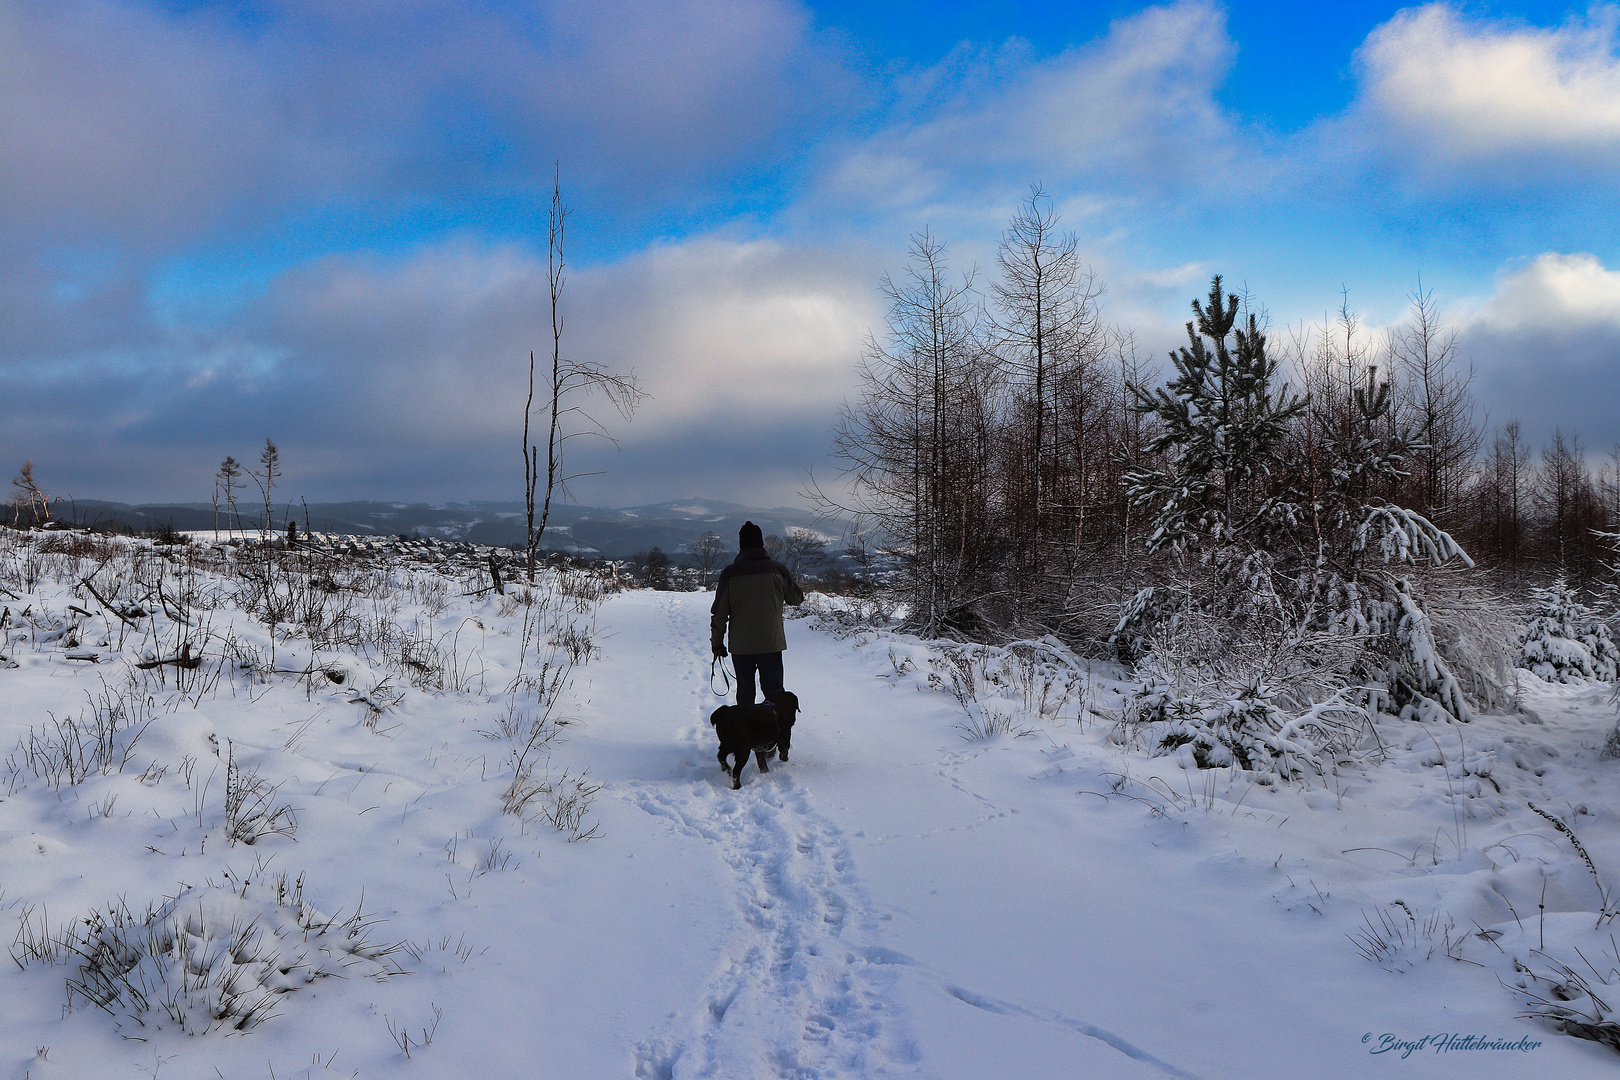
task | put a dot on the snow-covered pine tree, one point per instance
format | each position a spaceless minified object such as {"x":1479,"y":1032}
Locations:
{"x":1222,"y":426}
{"x":1371,"y":558}
{"x":1214,"y":502}
{"x":1286,"y":577}
{"x":1565,"y":639}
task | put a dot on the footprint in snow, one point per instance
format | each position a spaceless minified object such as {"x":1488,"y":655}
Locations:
{"x":795,"y":994}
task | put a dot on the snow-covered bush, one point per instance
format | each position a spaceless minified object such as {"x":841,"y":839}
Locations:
{"x":1243,"y":727}
{"x":1565,"y":639}
{"x":1153,"y":609}
{"x":1473,"y":629}
{"x":1243,"y":621}
{"x":1005,"y":690}
{"x":216,"y":957}
{"x":844,"y":615}
{"x":1238,"y":677}
{"x":1421,"y":682}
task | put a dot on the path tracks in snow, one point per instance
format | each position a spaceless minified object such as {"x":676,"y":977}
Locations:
{"x":805,"y":987}
{"x":796,"y":993}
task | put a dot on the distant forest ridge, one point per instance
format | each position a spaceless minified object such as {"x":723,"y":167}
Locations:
{"x":582,"y":530}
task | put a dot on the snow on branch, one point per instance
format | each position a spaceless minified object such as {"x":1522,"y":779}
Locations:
{"x":1434,"y":684}
{"x":1404,"y":535}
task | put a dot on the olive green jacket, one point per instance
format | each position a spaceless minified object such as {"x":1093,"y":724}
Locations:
{"x":749,"y":597}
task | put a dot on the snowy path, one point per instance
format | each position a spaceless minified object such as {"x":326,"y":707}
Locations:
{"x":794,"y":994}
{"x":805,"y":986}
{"x":904,"y":903}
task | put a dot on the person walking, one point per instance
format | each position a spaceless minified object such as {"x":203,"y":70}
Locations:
{"x":748,"y":602}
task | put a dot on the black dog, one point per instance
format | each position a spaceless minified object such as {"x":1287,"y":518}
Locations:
{"x":756,"y":729}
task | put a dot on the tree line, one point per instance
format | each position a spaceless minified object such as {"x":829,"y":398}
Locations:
{"x":1032,"y":472}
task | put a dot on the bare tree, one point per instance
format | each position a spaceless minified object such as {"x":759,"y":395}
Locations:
{"x":708,"y":550}
{"x":29,"y":504}
{"x":265,"y":479}
{"x":569,"y":381}
{"x":1084,"y":391}
{"x":1337,"y":362}
{"x":1132,"y":433}
{"x":1561,"y":487}
{"x":917,"y":443}
{"x":216,"y":507}
{"x":227,"y":482}
{"x":1434,"y":396}
{"x":1046,"y":319}
{"x":1556,"y":481}
{"x":802,"y":549}
{"x":858,"y":550}
{"x":1609,"y":487}
{"x":1349,"y":450}
{"x":655,"y":564}
{"x":1511,"y":473}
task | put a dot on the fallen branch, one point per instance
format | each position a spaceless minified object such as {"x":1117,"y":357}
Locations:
{"x":184,"y":660}
{"x":167,"y":610}
{"x":103,"y":602}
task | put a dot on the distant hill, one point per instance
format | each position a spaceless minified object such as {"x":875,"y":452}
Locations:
{"x":582,"y":530}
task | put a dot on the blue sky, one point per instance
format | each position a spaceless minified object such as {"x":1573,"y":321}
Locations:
{"x":323,"y":220}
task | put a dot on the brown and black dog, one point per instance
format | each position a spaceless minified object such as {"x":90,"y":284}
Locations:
{"x":756,"y":729}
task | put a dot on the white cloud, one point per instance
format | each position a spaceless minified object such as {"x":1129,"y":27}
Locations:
{"x":1136,"y":107}
{"x":718,"y":328}
{"x":421,"y":345}
{"x":112,"y":115}
{"x":1546,"y":345}
{"x":1551,"y":292}
{"x":124,"y":121}
{"x":406,"y":374}
{"x":710,"y":327}
{"x":401,"y":372}
{"x":1455,"y":89}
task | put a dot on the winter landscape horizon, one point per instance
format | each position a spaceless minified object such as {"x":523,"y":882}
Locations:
{"x":1160,"y":463}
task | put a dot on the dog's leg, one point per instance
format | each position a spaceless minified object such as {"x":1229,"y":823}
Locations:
{"x":736,"y":774}
{"x":786,"y":706}
{"x":762,"y":761}
{"x":722,"y":756}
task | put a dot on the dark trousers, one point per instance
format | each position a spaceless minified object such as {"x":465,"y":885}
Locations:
{"x":769,"y":666}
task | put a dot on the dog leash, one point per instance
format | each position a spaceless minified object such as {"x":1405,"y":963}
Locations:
{"x":725,"y":679}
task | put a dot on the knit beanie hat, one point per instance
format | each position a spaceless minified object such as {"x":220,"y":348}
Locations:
{"x":749,"y":536}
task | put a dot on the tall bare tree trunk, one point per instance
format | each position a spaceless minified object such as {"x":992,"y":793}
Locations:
{"x":568,"y":377}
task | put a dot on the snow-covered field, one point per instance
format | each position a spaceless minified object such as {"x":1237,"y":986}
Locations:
{"x":898,"y":900}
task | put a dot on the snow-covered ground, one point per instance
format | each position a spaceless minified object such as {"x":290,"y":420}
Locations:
{"x":897,"y":900}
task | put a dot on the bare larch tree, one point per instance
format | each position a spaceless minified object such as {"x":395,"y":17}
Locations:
{"x":563,"y":391}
